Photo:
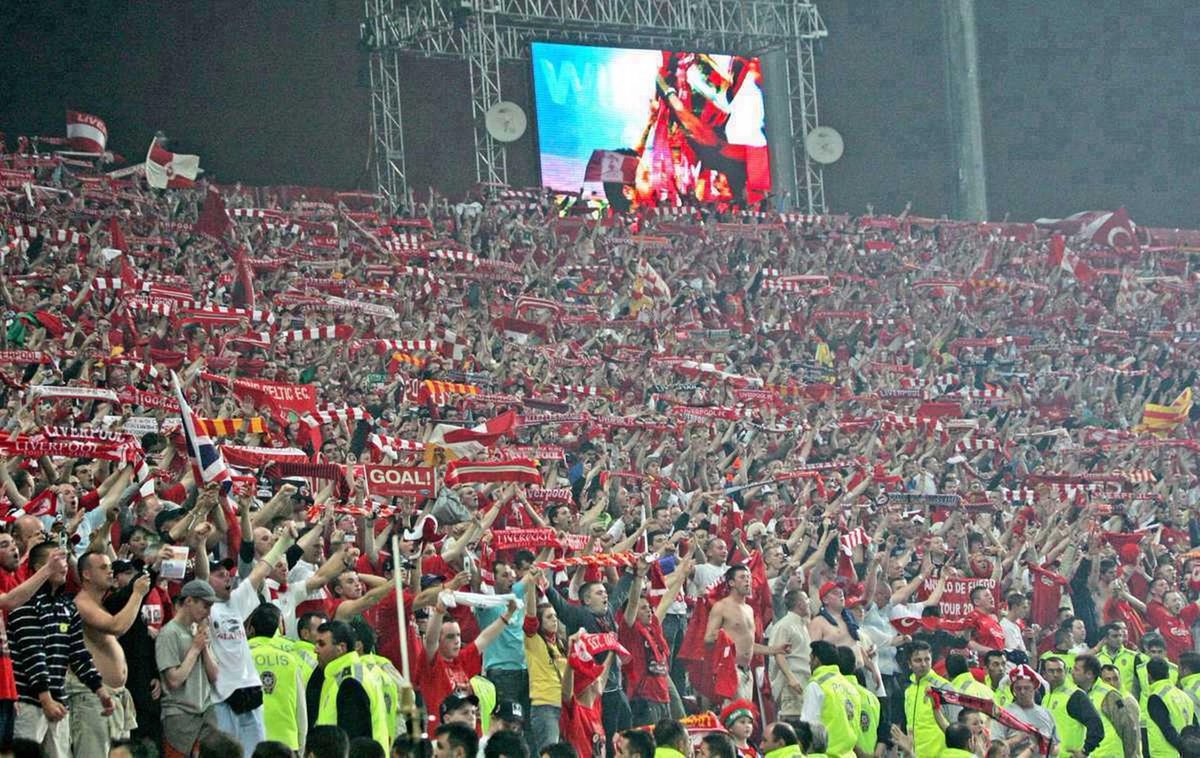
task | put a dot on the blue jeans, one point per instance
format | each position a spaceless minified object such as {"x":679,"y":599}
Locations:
{"x":247,"y":728}
{"x":543,"y":727}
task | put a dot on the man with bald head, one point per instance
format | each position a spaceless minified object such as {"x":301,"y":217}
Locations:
{"x":27,"y":531}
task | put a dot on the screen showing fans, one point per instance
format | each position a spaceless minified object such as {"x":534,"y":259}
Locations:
{"x":650,"y":127}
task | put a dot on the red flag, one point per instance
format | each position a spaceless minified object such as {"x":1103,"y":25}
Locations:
{"x":243,"y":282}
{"x":1114,"y":229}
{"x":213,"y":221}
{"x":86,"y":133}
{"x":1058,"y":246}
{"x":116,"y":235}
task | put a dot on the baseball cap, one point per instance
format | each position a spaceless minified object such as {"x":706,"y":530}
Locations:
{"x":120,"y":567}
{"x":226,"y":563}
{"x":455,"y":701}
{"x":507,"y":710}
{"x":167,"y":514}
{"x":198,"y":588}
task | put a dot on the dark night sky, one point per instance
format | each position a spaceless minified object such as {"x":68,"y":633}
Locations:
{"x":1086,"y":105}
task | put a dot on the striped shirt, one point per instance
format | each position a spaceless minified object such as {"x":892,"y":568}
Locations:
{"x":47,"y":637}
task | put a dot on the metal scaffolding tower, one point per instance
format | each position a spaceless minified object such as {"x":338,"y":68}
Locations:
{"x":487,"y":33}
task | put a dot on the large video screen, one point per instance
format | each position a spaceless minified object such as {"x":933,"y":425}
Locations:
{"x":642,"y":128}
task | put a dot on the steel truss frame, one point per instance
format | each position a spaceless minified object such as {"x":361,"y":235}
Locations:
{"x":488,"y":33}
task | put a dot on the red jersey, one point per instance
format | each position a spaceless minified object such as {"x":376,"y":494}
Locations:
{"x":8,"y":684}
{"x":987,"y":630}
{"x":1176,"y":630}
{"x":442,"y":677}
{"x":650,"y":660}
{"x":1047,"y":592}
{"x":583,"y":728}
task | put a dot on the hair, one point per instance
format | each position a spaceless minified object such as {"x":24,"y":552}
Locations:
{"x":217,"y":744}
{"x":366,"y":747}
{"x":364,"y":634}
{"x":965,"y":713}
{"x":958,"y":736}
{"x":1091,"y":665}
{"x":1014,"y":599}
{"x":1064,"y":637}
{"x":341,"y":632}
{"x":1152,"y":639}
{"x":1106,"y":565}
{"x":783,"y":733}
{"x":989,"y":655}
{"x":264,"y":620}
{"x":553,"y":511}
{"x":669,"y":733}
{"x":975,"y":593}
{"x":640,"y":742}
{"x":1189,"y":662}
{"x":81,"y":562}
{"x":272,"y":749}
{"x":558,"y":750}
{"x":720,"y":745}
{"x":1108,"y":629}
{"x":996,"y":749}
{"x":956,"y":665}
{"x":846,"y":661}
{"x":1054,"y":658}
{"x":917,"y":646}
{"x":1157,"y":668}
{"x":824,"y":650}
{"x":523,"y":558}
{"x":505,"y":744}
{"x":39,"y":554}
{"x":325,"y":741}
{"x":811,"y":737}
{"x":460,"y":736}
{"x":792,"y":597}
{"x":732,"y":571}
{"x":307,"y":617}
{"x":405,"y":746}
{"x":586,"y":588}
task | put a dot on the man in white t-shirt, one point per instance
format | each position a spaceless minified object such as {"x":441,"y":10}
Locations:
{"x":1018,"y":610}
{"x":705,"y":575}
{"x":238,"y":689}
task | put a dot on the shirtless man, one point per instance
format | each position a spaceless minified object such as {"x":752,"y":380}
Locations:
{"x":831,"y":623}
{"x":91,"y":733}
{"x":735,"y":616}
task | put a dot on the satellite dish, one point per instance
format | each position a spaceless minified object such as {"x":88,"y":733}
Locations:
{"x":505,"y":121}
{"x":824,"y":144}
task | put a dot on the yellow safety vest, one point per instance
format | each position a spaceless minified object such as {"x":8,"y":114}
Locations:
{"x":967,"y":684}
{"x":486,"y":692}
{"x":840,"y":711}
{"x":340,"y":669}
{"x":1190,"y":685}
{"x":1180,"y":708}
{"x":390,"y":680}
{"x":282,"y":678}
{"x":307,"y":653}
{"x":1002,"y":695}
{"x":868,"y":720}
{"x":1143,"y":679}
{"x":1125,"y":660}
{"x":928,"y":738}
{"x":954,"y":752}
{"x":1111,"y":746}
{"x":1071,"y":733}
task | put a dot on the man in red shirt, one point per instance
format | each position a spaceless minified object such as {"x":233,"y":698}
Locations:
{"x":1175,"y":624}
{"x":449,"y":665}
{"x":986,"y":632}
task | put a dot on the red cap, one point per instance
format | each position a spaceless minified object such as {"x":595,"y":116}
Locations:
{"x":826,"y":588}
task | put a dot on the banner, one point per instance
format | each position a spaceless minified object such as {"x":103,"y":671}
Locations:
{"x":280,"y":397}
{"x":956,"y":600}
{"x":400,"y":481}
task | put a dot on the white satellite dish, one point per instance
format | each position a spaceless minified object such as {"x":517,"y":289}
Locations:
{"x":505,"y":121}
{"x":824,"y":144}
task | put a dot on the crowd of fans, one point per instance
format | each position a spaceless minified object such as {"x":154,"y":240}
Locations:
{"x":722,"y":483}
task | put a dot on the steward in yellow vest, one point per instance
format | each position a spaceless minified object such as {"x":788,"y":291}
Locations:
{"x":919,"y":720}
{"x":348,"y":693}
{"x":1078,"y":724}
{"x":1107,"y":702}
{"x":840,"y":706}
{"x":1113,"y":652}
{"x":284,"y":676}
{"x":868,"y":721}
{"x":1168,"y":711}
{"x":1189,"y":677}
